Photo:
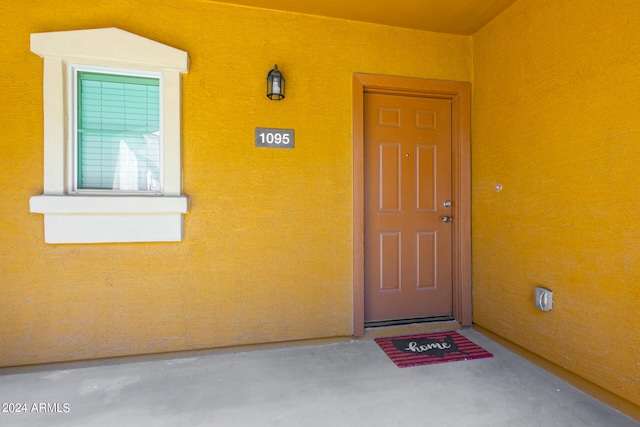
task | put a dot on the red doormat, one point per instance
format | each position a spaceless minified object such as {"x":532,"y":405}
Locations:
{"x":423,"y":349}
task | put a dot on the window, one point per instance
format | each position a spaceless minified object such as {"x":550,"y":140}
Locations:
{"x":112,"y":132}
{"x":117,"y":130}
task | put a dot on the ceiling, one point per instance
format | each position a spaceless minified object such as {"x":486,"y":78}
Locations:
{"x":444,"y":16}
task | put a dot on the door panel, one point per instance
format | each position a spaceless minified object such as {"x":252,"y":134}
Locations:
{"x":426,"y":260}
{"x":425,"y":190}
{"x":390,"y":270}
{"x":407,"y":179}
{"x":390,"y":177}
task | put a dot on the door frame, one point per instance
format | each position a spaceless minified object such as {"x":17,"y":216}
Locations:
{"x":459,"y":93}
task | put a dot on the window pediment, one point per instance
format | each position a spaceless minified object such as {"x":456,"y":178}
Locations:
{"x":112,"y":44}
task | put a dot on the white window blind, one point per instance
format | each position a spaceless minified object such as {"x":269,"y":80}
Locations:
{"x":118,"y":132}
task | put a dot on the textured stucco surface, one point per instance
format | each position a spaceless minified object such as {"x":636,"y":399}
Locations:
{"x":556,"y":123}
{"x":268,"y":249}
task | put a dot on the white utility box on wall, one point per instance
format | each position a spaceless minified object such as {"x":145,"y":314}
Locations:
{"x":543,"y":299}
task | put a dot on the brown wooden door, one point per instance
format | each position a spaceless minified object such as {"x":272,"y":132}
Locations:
{"x":407,"y":183}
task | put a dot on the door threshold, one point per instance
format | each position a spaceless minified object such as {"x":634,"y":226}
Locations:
{"x":423,"y":326}
{"x":400,"y":322}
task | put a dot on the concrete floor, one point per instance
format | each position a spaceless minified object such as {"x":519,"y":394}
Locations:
{"x":339,"y":384}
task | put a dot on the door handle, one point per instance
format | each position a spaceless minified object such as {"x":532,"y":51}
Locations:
{"x":446,"y":218}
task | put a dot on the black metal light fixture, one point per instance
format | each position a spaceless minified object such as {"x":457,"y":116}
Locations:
{"x":275,"y":84}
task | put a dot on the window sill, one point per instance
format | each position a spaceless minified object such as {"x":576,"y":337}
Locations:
{"x":108,"y":219}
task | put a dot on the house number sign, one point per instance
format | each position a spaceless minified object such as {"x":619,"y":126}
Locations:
{"x":274,"y":138}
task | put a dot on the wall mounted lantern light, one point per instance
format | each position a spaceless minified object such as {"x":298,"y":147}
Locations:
{"x":275,"y":84}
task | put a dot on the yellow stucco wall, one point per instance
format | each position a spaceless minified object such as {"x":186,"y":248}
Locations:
{"x":556,"y":123}
{"x":268,"y":248}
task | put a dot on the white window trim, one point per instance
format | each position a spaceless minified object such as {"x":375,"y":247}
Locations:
{"x":92,"y":218}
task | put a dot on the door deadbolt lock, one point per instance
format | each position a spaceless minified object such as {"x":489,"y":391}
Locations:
{"x":446,"y":218}
{"x":447,"y":203}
